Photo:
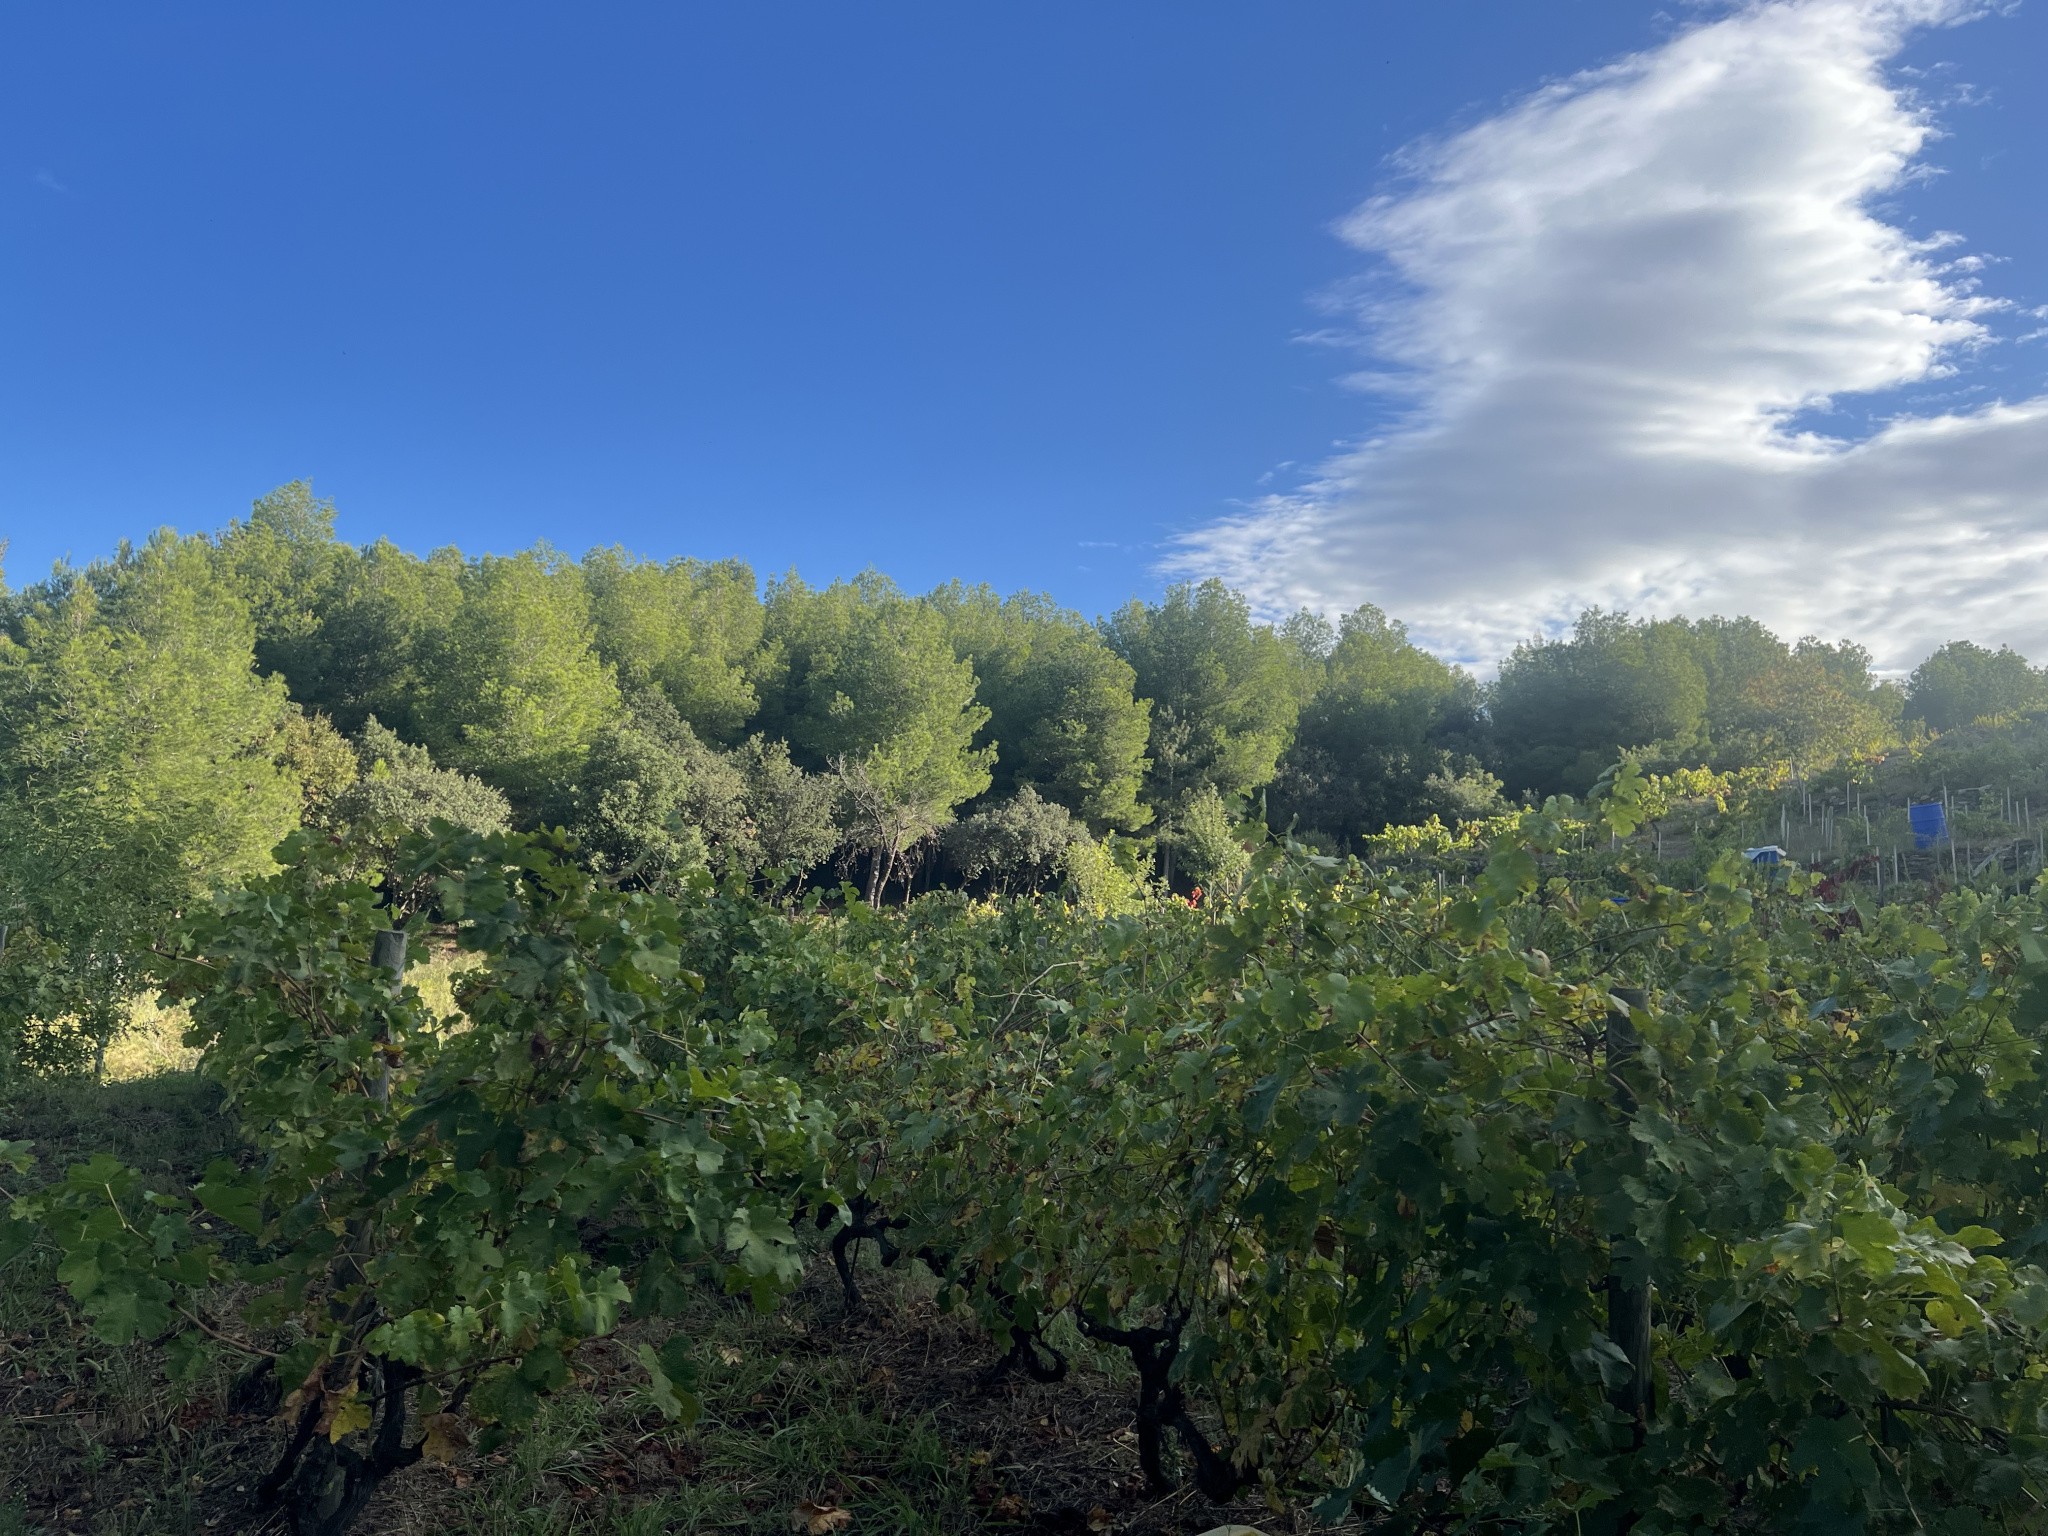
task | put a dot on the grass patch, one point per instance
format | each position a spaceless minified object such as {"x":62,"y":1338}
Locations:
{"x":168,"y":1123}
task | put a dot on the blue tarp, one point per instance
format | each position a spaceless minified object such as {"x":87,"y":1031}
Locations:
{"x":1929,"y":823}
{"x":1770,"y":855}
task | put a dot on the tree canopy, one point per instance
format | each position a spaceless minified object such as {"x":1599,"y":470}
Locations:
{"x":1225,"y":692}
{"x":867,"y":684}
{"x":514,"y":685}
{"x":1963,"y":682}
{"x":167,"y":714}
{"x":1064,"y":716}
{"x":143,"y":760}
{"x":689,"y":628}
{"x":1383,"y":720}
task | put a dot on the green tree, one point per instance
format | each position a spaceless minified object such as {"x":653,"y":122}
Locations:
{"x":1211,"y":851}
{"x":381,"y":617}
{"x":320,"y":760}
{"x":869,"y":686}
{"x":1963,"y":682}
{"x":398,"y":787}
{"x":143,"y":761}
{"x":515,"y":691}
{"x":689,"y":628}
{"x":1562,"y":710}
{"x":1309,"y":639}
{"x":1809,"y":705}
{"x":1224,"y":692}
{"x":1387,"y":722}
{"x":1735,"y":656}
{"x":1817,"y":707}
{"x":793,"y":816}
{"x":1016,"y":844}
{"x":283,"y":559}
{"x":656,"y":802}
{"x":1063,"y":716}
{"x":399,"y":792}
{"x":1470,"y":794}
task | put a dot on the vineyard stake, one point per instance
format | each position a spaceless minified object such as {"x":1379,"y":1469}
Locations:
{"x":387,"y":953}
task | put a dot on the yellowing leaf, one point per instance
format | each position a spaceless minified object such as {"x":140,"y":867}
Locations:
{"x":446,"y":1438}
{"x":346,"y":1413}
{"x":1945,"y":1317}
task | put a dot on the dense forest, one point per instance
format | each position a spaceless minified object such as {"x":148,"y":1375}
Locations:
{"x":169,"y":713}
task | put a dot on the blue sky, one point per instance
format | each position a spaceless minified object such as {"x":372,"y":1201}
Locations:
{"x":1051,"y":297}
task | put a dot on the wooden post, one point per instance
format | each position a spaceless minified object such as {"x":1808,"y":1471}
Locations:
{"x":1628,"y":1286}
{"x":387,"y":953}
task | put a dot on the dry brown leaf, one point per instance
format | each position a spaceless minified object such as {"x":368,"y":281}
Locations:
{"x":1099,"y":1520}
{"x":1009,"y":1507}
{"x":446,"y":1438}
{"x":815,"y":1519}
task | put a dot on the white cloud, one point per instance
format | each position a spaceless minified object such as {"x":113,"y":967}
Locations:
{"x":1607,"y":305}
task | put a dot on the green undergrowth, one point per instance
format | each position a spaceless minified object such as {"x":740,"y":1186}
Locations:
{"x":883,"y":1413}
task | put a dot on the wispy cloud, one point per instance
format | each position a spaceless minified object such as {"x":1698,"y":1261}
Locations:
{"x":50,"y":183}
{"x":1608,"y":311}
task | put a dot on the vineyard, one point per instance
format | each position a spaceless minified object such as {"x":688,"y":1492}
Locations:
{"x":1528,"y":1178}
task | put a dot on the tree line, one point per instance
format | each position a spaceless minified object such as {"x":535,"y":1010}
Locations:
{"x":169,"y":713}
